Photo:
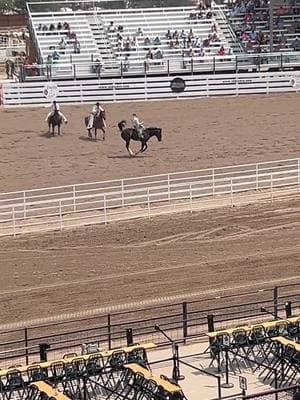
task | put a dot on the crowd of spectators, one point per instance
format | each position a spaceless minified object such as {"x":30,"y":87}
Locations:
{"x":251,"y":22}
{"x":69,"y":39}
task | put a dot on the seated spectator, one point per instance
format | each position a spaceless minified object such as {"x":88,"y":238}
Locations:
{"x":182,"y":34}
{"x":120,"y":28}
{"x":147,"y":41}
{"x":245,"y":37}
{"x":168,"y":34}
{"x":249,"y":46}
{"x":171,"y":44}
{"x":177,"y":44}
{"x":66,"y":26}
{"x":62,"y":44}
{"x":72,"y":35}
{"x":253,"y":35}
{"x":149,"y":55}
{"x":76,"y":45}
{"x":191,"y":34}
{"x":40,"y":27}
{"x":52,"y":27}
{"x":158,"y":54}
{"x":215,"y":38}
{"x":206,"y":42}
{"x":45,"y":28}
{"x":55,"y":56}
{"x":193,"y":14}
{"x":214,"y":27}
{"x":279,"y":23}
{"x":127,"y":44}
{"x":97,"y":66}
{"x":59,"y":26}
{"x":190,"y":52}
{"x":296,"y":44}
{"x":248,"y":18}
{"x":111,"y":27}
{"x":221,"y":51}
{"x":139,"y":32}
{"x":175,"y":35}
{"x":157,"y":41}
{"x":209,"y":15}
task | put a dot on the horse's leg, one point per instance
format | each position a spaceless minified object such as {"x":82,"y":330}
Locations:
{"x":103,"y":130}
{"x":53,"y":132}
{"x":58,"y":129}
{"x":89,"y":133}
{"x":129,"y":149}
{"x":145,"y":147}
{"x":95,"y":129}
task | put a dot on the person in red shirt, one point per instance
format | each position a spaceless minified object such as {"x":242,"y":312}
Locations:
{"x":221,"y":51}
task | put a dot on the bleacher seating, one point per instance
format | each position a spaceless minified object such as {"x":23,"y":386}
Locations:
{"x":99,"y":42}
{"x":254,"y":31}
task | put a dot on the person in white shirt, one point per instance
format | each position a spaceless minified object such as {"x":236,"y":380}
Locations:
{"x":95,"y":111}
{"x":55,"y":107}
{"x":138,"y":125}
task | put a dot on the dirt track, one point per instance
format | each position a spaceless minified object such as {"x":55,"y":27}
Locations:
{"x":196,"y":134}
{"x":176,"y":255}
{"x":181,"y":254}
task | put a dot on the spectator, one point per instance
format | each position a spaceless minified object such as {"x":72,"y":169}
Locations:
{"x":45,"y":28}
{"x":126,"y":64}
{"x":253,"y":35}
{"x":149,"y":55}
{"x":157,"y":41}
{"x":175,"y":35}
{"x":209,"y":15}
{"x":40,"y":27}
{"x":215,"y":38}
{"x":52,"y":27}
{"x":221,"y":51}
{"x":193,"y":14}
{"x":97,"y":66}
{"x":62,"y":44}
{"x":214,"y":27}
{"x":59,"y":26}
{"x":191,"y":34}
{"x":183,"y":34}
{"x":168,"y":34}
{"x":120,"y":28}
{"x":49,"y":59}
{"x":66,"y":26}
{"x":76,"y":45}
{"x":249,"y":45}
{"x":55,"y":56}
{"x":139,"y":32}
{"x":147,"y":41}
{"x":158,"y":54}
{"x":111,"y":27}
{"x":296,"y":44}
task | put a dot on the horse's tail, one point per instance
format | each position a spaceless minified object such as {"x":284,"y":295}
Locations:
{"x":121,"y":125}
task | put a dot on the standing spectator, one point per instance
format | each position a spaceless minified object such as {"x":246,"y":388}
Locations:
{"x":111,"y":27}
{"x":62,"y":44}
{"x":76,"y":45}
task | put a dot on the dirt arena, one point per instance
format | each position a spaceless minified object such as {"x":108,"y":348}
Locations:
{"x":178,"y":255}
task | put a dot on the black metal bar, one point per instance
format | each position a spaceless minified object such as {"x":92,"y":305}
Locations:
{"x":184,"y":320}
{"x":275,"y":299}
{"x":26,"y":345}
{"x":109,"y":331}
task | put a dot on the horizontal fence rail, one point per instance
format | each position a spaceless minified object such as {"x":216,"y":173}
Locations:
{"x":151,"y":88}
{"x":182,"y":321}
{"x":102,"y":202}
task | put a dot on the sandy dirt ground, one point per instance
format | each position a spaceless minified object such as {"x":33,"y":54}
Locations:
{"x":181,"y":254}
{"x":196,"y":134}
{"x":127,"y":262}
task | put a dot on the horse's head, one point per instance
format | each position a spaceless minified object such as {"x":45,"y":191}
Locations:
{"x":158,"y":134}
{"x":121,"y":125}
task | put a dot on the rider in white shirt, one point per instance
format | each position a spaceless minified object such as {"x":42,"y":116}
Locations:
{"x":55,"y":107}
{"x":138,"y":125}
{"x":95,"y":111}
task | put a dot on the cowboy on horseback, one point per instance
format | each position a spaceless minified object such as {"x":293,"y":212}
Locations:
{"x":55,"y":108}
{"x":138,"y":125}
{"x":96,"y":110}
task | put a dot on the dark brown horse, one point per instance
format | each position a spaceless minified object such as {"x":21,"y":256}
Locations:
{"x":129,"y":134}
{"x":98,"y":123}
{"x":53,"y":121}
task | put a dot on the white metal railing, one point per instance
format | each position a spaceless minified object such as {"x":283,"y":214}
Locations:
{"x":101,"y":202}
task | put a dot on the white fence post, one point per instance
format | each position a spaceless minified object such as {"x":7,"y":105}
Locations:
{"x":298,"y":173}
{"x":60,"y":216}
{"x":14,"y":221}
{"x":271,"y":186}
{"x":24,"y":204}
{"x":256,"y":175}
{"x":122,"y":192}
{"x":191,"y":198}
{"x":104,"y":209}
{"x":231,"y":192}
{"x":148,"y":202}
{"x":213,"y":182}
{"x":74,"y":199}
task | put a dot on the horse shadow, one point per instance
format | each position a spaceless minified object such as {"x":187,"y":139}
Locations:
{"x":48,"y":135}
{"x":123,"y":156}
{"x":90,"y":139}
